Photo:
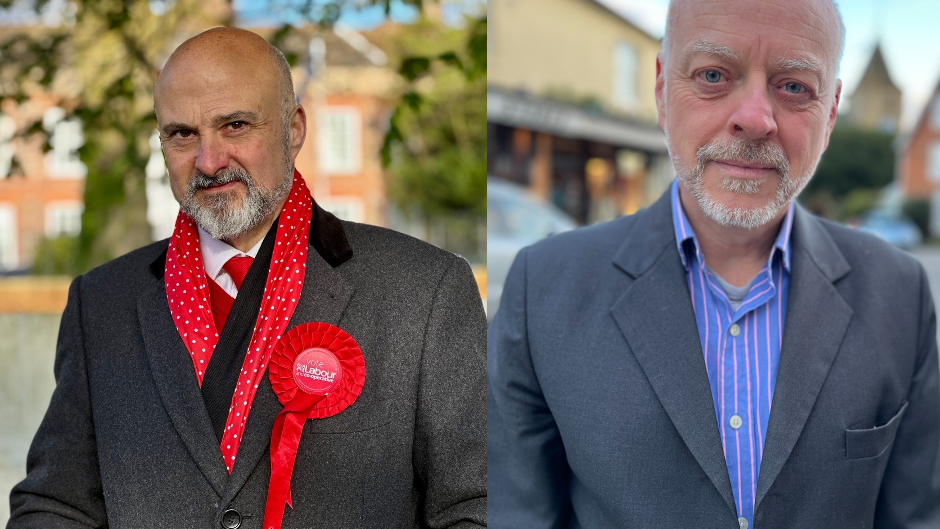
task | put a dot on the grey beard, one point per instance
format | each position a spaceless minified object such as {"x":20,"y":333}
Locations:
{"x":759,"y":151}
{"x":224,"y":221}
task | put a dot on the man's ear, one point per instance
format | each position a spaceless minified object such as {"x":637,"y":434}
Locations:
{"x":833,"y":111}
{"x":297,"y":131}
{"x":660,"y":85}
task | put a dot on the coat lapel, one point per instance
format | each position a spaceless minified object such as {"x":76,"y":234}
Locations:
{"x":176,"y":382}
{"x":656,"y":317}
{"x":324,"y":297}
{"x":816,"y":320}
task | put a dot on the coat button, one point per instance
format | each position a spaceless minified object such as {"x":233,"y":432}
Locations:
{"x":231,"y":519}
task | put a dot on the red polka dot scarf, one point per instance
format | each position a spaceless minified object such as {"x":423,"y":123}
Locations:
{"x":187,"y":292}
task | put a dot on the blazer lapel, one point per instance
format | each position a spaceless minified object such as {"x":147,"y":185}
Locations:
{"x":656,"y":317}
{"x":176,"y":382}
{"x":816,"y":320}
{"x":324,"y":297}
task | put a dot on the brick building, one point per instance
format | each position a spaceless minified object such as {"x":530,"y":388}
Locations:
{"x":571,"y":118}
{"x":41,"y":194}
{"x":918,"y":165}
{"x":341,"y":78}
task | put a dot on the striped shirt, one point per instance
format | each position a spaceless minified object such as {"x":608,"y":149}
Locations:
{"x":742,"y":350}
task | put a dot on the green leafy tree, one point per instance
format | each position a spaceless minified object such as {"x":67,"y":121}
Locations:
{"x":100,"y":65}
{"x":856,"y":164}
{"x":436,"y":148}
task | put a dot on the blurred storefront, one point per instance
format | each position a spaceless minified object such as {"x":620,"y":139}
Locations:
{"x":593,"y":166}
{"x":571,"y":111}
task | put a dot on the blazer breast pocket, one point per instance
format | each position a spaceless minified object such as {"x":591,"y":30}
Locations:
{"x":872,"y":442}
{"x":359,"y":417}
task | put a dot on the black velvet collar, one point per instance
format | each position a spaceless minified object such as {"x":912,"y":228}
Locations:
{"x":327,"y":237}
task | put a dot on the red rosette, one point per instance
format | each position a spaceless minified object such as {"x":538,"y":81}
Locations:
{"x":323,"y":336}
{"x":316,"y":370}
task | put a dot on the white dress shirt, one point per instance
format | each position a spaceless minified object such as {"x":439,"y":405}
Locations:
{"x":216,"y":253}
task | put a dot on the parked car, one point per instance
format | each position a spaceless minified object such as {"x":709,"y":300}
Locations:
{"x":892,"y":226}
{"x":514,"y":219}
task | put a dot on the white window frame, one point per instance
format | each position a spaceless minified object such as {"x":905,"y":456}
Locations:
{"x":345,"y":208}
{"x":933,"y":161}
{"x":326,"y":159}
{"x":63,"y":218}
{"x":626,"y":75}
{"x":9,"y":254}
{"x":65,"y":138}
{"x":7,"y":131}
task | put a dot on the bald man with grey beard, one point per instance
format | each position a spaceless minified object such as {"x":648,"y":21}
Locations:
{"x":269,"y":365}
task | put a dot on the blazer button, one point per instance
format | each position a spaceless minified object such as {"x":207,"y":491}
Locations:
{"x":231,"y":519}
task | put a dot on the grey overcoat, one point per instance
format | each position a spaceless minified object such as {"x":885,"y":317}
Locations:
{"x":127,"y":442}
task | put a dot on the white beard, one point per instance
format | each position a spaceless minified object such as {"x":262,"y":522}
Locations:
{"x":759,"y":151}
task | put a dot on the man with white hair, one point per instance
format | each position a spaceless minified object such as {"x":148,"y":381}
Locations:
{"x":722,"y":358}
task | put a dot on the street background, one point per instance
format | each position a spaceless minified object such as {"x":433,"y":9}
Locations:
{"x":573,"y":138}
{"x":394,"y":93}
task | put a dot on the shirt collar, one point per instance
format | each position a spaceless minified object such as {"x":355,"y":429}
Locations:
{"x":685,"y":233}
{"x":216,"y":253}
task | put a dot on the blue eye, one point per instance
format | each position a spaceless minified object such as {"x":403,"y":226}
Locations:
{"x":794,"y":88}
{"x":712,"y":76}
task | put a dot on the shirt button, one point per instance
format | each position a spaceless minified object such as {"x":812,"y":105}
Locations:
{"x":735,"y":330}
{"x":742,"y":523}
{"x":736,"y":423}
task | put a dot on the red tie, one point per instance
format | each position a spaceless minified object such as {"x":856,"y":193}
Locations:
{"x":237,"y":267}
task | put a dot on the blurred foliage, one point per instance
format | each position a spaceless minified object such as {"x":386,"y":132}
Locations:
{"x":98,"y":64}
{"x":435,"y":149}
{"x":918,"y":209}
{"x":856,"y":164}
{"x":858,"y":201}
{"x":55,"y":256}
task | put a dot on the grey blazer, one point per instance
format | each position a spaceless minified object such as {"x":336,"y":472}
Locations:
{"x":127,"y":442}
{"x":600,"y":412}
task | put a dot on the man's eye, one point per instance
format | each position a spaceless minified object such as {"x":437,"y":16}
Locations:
{"x":794,"y":88}
{"x":236,"y":125}
{"x":184,"y":134}
{"x":712,"y":76}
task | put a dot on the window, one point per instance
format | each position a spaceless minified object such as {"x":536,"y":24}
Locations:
{"x":162,"y":208}
{"x":7,"y":129}
{"x":346,"y":208}
{"x":65,"y":138}
{"x":9,"y":259}
{"x":338,"y":140}
{"x":63,"y":218}
{"x":933,"y":161}
{"x":625,"y":76}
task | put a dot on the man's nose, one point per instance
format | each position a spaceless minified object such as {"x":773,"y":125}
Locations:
{"x":754,"y":116}
{"x":211,"y":155}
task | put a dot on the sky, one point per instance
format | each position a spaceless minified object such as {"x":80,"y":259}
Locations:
{"x":367,"y":17}
{"x":909,"y":31}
